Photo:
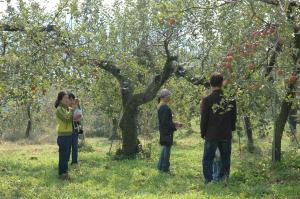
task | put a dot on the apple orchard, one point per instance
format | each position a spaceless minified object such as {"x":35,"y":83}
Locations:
{"x":117,"y":59}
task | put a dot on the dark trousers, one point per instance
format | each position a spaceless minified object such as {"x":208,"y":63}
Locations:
{"x":74,"y":147}
{"x":164,"y":160}
{"x":64,"y":145}
{"x":292,"y":123}
{"x":208,"y":159}
{"x":216,"y":169}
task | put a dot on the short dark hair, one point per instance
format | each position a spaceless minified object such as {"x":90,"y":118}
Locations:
{"x":71,"y":95}
{"x":216,"y":80}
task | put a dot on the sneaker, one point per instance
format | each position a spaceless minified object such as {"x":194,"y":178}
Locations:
{"x":168,"y":172}
{"x":65,"y":176}
{"x":75,"y":165}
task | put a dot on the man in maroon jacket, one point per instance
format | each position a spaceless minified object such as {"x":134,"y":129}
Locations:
{"x":218,"y":118}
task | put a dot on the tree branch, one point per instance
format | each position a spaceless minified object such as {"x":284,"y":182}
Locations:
{"x":150,"y":92}
{"x":166,"y":46}
{"x":9,"y":28}
{"x":294,"y":3}
{"x":272,"y":2}
{"x":125,"y":84}
{"x":109,"y":67}
{"x":276,"y":51}
{"x":202,"y":7}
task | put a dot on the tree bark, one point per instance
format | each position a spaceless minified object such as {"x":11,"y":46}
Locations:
{"x":128,"y":125}
{"x":29,"y":122}
{"x":114,"y":129}
{"x":294,"y":3}
{"x":278,"y":130}
{"x":248,"y":130}
{"x":286,"y":104}
{"x":11,"y":28}
{"x":131,"y":101}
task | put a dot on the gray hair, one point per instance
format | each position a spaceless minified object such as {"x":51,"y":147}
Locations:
{"x":164,"y":93}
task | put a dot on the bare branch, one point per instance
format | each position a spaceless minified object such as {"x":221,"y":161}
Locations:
{"x":166,"y":46}
{"x":294,"y":3}
{"x":273,"y":2}
{"x":203,"y":7}
{"x":255,"y":14}
{"x":60,"y":9}
{"x":9,"y":28}
{"x":109,"y":67}
{"x":150,"y":92}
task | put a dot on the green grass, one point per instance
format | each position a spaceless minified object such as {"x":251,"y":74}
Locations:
{"x":30,"y":171}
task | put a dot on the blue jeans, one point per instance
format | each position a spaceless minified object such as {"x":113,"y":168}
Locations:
{"x":216,"y":169}
{"x":164,"y":160}
{"x":64,"y":149}
{"x":292,"y":123}
{"x":74,"y":147}
{"x":208,"y":159}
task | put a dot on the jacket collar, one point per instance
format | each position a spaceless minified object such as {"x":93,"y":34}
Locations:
{"x":63,"y":105}
{"x":218,"y":91}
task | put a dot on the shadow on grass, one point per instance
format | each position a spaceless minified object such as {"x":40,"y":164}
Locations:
{"x":251,"y":177}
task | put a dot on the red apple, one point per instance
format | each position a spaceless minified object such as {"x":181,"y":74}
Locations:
{"x":227,"y":65}
{"x":172,"y":21}
{"x":34,"y":88}
{"x":229,"y":58}
{"x":272,"y":30}
{"x":247,"y":45}
{"x":255,"y":33}
{"x":280,"y":40}
{"x":265,"y":32}
{"x":81,"y":62}
{"x":251,"y":66}
{"x":293,"y":78}
{"x":280,"y":72}
{"x":95,"y":62}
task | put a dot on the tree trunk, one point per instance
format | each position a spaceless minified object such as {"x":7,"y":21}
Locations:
{"x":29,"y":123}
{"x":114,"y":129}
{"x":248,"y":130}
{"x":287,"y":102}
{"x":131,"y":101}
{"x":278,"y":130}
{"x":128,"y":125}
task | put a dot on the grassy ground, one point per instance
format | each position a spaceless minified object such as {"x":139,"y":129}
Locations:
{"x":30,"y":171}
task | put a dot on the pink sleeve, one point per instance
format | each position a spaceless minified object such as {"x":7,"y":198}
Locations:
{"x":77,"y":116}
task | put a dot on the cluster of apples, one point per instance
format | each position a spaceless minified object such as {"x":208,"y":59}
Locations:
{"x":171,"y":21}
{"x":292,"y":79}
{"x":249,"y":47}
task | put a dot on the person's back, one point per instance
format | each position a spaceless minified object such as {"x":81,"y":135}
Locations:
{"x":218,"y":116}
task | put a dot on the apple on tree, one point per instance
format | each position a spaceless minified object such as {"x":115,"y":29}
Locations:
{"x":172,"y":21}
